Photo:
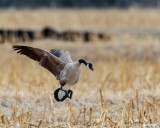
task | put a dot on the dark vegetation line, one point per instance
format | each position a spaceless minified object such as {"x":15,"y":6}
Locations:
{"x":21,"y":4}
{"x":22,"y":35}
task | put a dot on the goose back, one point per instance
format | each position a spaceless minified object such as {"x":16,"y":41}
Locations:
{"x":62,"y":55}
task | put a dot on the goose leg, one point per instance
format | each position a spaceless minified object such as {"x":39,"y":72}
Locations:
{"x":70,"y":92}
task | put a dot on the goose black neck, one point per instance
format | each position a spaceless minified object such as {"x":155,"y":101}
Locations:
{"x":83,"y":61}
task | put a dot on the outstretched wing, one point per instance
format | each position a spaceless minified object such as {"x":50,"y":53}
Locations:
{"x":45,"y":59}
{"x":62,"y":55}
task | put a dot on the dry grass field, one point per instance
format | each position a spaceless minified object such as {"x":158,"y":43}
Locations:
{"x":123,"y":91}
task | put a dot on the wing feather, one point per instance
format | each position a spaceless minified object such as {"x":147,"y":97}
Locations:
{"x":62,"y":55}
{"x":45,"y":59}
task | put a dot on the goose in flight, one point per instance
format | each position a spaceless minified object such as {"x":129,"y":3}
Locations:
{"x":60,"y":64}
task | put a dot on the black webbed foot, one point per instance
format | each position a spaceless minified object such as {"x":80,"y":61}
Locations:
{"x":70,"y":92}
{"x":67,"y":94}
{"x":56,"y":95}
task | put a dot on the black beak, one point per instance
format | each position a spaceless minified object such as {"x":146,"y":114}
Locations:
{"x":92,"y":68}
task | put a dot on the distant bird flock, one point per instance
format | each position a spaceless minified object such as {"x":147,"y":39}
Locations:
{"x":22,"y":35}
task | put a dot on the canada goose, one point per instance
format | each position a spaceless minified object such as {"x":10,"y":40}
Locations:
{"x":59,"y":63}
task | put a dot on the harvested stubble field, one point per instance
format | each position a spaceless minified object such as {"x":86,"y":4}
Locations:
{"x":123,"y":91}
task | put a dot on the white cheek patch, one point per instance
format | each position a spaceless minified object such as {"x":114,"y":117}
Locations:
{"x":88,"y":65}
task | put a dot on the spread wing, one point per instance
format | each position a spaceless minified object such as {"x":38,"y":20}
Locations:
{"x":62,"y":55}
{"x":45,"y":59}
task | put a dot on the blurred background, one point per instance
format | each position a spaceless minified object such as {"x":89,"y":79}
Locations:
{"x":121,"y":38}
{"x":79,"y":3}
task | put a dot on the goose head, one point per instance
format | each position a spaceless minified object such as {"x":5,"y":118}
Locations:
{"x":89,"y":65}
